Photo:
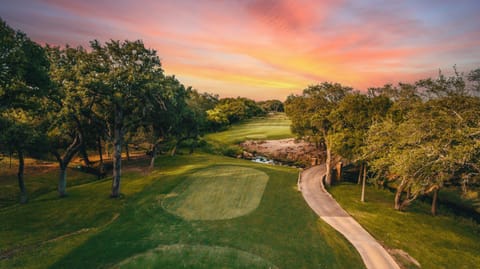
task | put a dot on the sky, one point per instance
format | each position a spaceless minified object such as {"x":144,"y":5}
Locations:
{"x":269,"y":49}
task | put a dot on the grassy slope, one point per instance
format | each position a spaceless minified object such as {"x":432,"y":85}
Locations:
{"x":40,"y":178}
{"x":275,"y":126}
{"x":443,"y":241}
{"x":89,"y":230}
{"x":282,"y":230}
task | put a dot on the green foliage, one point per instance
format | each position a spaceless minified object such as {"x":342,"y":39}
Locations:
{"x":272,"y":106}
{"x":232,"y":110}
{"x":351,"y":119}
{"x":24,"y":83}
{"x":313,"y":117}
{"x":23,"y":70}
{"x":310,"y":111}
{"x":435,"y":142}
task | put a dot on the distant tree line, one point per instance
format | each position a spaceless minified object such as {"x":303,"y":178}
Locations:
{"x":416,"y":137}
{"x":67,"y":101}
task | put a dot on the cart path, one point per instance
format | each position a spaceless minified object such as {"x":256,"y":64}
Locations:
{"x":373,"y":254}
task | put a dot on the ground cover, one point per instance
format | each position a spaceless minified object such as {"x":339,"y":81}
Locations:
{"x":444,"y":241}
{"x":90,"y":230}
{"x":275,"y":126}
{"x":275,"y":228}
{"x":217,"y":192}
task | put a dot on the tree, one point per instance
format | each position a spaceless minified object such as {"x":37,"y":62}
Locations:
{"x":232,"y":110}
{"x":272,"y":106}
{"x":123,"y":77}
{"x":311,"y":115}
{"x":436,"y":141}
{"x":70,"y":107}
{"x":351,"y":120}
{"x":200,"y":103}
{"x":20,"y":134}
{"x":24,"y":83}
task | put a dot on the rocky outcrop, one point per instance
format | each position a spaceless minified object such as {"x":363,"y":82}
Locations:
{"x":289,"y":150}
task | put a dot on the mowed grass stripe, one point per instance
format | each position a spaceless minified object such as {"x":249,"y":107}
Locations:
{"x":195,"y":256}
{"x":271,"y":127}
{"x":216,"y":193}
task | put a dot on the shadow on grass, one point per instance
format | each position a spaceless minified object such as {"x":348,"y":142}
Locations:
{"x":282,"y":230}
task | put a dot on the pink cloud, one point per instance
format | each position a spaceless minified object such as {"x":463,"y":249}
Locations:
{"x":274,"y":45}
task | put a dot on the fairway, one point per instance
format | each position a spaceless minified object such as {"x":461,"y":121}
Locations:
{"x":219,"y":192}
{"x":197,"y":256}
{"x":276,"y":126}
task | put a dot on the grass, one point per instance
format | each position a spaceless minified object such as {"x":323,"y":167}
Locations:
{"x":444,"y":241}
{"x":276,"y":126}
{"x":89,"y":230}
{"x":40,"y":178}
{"x":167,"y":257}
{"x":217,"y":192}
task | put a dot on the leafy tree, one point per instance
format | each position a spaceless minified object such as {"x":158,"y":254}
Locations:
{"x":437,"y":141}
{"x":123,"y":77}
{"x":200,"y":103}
{"x":20,"y":133}
{"x":23,"y":70}
{"x":70,"y":107}
{"x":312,"y":113}
{"x":24,"y":83}
{"x":234,"y":110}
{"x":217,"y":117}
{"x":272,"y":106}
{"x":351,"y":120}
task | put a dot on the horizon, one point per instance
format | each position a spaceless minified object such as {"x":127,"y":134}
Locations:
{"x":270,"y":49}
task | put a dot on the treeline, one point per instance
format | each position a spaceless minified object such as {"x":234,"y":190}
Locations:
{"x":417,"y":137}
{"x":63,"y":101}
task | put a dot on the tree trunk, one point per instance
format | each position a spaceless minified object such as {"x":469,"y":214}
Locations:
{"x":360,"y":174}
{"x":99,"y":144}
{"x":398,"y":195}
{"x":401,"y":204}
{"x":63,"y":162}
{"x":174,"y":150}
{"x":107,"y":150}
{"x":398,"y":199}
{"x":127,"y":151}
{"x":328,"y":164}
{"x":434,"y":202}
{"x":20,"y":175}
{"x":11,"y":153}
{"x":117,"y":151}
{"x":154,"y":154}
{"x":83,"y":151}
{"x":364,"y":183}
{"x":62,"y":181}
{"x":192,"y":146}
{"x":339,"y":171}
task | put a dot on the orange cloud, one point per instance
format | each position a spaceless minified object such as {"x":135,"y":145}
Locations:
{"x":270,"y":48}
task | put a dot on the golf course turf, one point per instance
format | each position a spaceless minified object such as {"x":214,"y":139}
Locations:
{"x":167,"y":257}
{"x":218,"y":192}
{"x":88,"y":229}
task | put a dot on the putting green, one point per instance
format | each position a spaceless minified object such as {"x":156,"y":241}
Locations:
{"x":198,"y":256}
{"x":219,"y":192}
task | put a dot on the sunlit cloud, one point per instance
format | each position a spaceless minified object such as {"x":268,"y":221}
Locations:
{"x":271,"y":48}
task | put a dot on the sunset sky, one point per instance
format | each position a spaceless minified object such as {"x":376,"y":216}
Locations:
{"x":268,"y":49}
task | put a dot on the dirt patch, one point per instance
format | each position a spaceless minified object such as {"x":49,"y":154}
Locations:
{"x":288,"y":150}
{"x":404,"y":259}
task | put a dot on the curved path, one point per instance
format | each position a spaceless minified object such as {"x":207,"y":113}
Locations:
{"x":372,"y":253}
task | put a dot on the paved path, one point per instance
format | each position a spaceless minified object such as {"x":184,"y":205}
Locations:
{"x":372,"y":253}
